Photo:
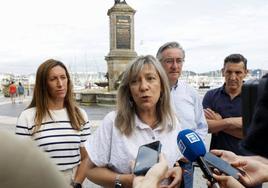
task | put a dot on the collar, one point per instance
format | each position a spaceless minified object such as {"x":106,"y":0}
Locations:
{"x":141,"y":125}
{"x":222,"y":90}
{"x":174,"y":86}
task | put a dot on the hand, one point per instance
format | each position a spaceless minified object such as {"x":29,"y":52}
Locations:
{"x":154,"y":175}
{"x":226,"y":155}
{"x":159,"y":169}
{"x":255,"y":171}
{"x":183,"y":159}
{"x":210,"y":114}
{"x":175,"y":174}
{"x":227,"y":181}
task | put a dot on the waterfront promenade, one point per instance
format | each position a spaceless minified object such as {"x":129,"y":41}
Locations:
{"x":9,"y":113}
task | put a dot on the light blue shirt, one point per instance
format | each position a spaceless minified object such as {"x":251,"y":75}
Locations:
{"x":188,"y":108}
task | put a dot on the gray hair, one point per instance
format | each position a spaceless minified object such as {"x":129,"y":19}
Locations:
{"x":169,"y":45}
{"x":126,"y":107}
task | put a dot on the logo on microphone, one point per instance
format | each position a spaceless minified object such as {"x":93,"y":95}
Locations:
{"x":181,"y":146}
{"x":192,"y":137}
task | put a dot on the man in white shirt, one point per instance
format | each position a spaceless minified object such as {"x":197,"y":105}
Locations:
{"x":185,"y":99}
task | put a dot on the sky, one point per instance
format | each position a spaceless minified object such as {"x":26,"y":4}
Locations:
{"x":76,"y":32}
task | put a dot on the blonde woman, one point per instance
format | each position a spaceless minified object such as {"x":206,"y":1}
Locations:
{"x":143,"y":115}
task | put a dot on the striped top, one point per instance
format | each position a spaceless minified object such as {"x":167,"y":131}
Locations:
{"x":56,"y":136}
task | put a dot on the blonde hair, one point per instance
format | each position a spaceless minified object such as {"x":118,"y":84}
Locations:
{"x":126,"y":107}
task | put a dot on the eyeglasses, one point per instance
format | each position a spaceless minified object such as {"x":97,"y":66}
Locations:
{"x":170,"y":61}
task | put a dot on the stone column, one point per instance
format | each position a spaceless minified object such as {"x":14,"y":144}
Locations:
{"x":121,"y":41}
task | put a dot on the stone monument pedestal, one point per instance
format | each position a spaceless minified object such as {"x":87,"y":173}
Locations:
{"x":121,"y":41}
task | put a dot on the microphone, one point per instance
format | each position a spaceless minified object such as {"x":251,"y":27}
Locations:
{"x":193,"y":149}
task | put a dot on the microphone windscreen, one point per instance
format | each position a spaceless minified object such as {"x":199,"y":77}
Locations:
{"x":190,"y":145}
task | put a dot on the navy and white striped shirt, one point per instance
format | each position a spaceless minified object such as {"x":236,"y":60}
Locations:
{"x":56,"y":136}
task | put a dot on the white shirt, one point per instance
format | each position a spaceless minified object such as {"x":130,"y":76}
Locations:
{"x":107,"y":146}
{"x":188,"y":107}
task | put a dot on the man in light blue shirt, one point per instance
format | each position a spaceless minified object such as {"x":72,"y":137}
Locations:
{"x":187,"y":105}
{"x":185,"y":99}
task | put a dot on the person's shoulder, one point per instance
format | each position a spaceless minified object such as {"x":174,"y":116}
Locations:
{"x":27,"y":115}
{"x":108,"y":122}
{"x":110,"y":116}
{"x":187,"y":87}
{"x":181,"y":83}
{"x":215,"y":90}
{"x":28,"y":111}
{"x":83,"y":111}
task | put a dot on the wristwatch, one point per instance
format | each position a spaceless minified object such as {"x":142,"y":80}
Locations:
{"x":117,"y":183}
{"x":76,"y":185}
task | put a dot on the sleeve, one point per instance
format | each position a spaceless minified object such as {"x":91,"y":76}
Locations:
{"x":23,"y":126}
{"x":85,"y":129}
{"x":99,"y":145}
{"x":201,"y":122}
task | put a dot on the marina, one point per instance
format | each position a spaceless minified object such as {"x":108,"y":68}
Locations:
{"x":91,"y":87}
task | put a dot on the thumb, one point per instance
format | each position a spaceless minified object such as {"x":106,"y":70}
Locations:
{"x":132,"y":165}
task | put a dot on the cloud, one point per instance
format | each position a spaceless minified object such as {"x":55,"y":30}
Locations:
{"x":77,"y":32}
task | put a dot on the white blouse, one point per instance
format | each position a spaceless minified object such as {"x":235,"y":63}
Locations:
{"x":107,"y":146}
